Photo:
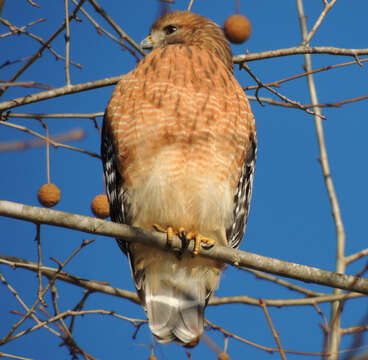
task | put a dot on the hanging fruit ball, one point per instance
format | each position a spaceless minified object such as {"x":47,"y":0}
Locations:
{"x":49,"y":195}
{"x":237,"y":28}
{"x":100,"y":206}
{"x":223,"y":356}
{"x":152,"y":357}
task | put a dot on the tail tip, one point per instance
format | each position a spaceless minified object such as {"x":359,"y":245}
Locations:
{"x":193,"y":343}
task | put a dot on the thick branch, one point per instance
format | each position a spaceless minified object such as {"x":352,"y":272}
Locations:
{"x":335,"y":331}
{"x":220,"y":253}
{"x":298,"y":50}
{"x":65,"y":90}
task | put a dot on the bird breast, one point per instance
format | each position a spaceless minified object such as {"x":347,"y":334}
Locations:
{"x":182,"y":121}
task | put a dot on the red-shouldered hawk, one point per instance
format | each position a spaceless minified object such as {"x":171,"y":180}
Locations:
{"x":179,"y":150}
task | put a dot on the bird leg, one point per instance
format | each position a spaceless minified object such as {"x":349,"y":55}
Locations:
{"x":185,"y":238}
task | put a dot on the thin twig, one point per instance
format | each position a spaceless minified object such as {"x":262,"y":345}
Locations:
{"x":305,"y":73}
{"x":8,"y":62}
{"x":116,"y":27}
{"x":98,"y":27}
{"x":258,"y":346}
{"x":190,"y":5}
{"x":274,"y":332}
{"x":79,"y":307}
{"x":55,"y":144}
{"x":356,"y":256}
{"x":33,"y":3}
{"x":327,"y":105}
{"x":282,"y":97}
{"x":47,"y":149}
{"x":22,"y":303}
{"x":67,"y":43}
{"x":282,"y":282}
{"x":40,"y":264}
{"x":16,"y":30}
{"x":9,"y":336}
{"x":327,"y":8}
{"x":73,"y":135}
{"x":73,"y":313}
{"x":11,"y":356}
{"x":38,"y":54}
{"x":52,"y":116}
{"x":354,"y":330}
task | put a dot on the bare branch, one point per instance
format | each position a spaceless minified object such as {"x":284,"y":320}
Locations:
{"x":334,"y":334}
{"x":190,"y":5}
{"x":354,"y":330}
{"x":282,"y":97}
{"x":220,"y":253}
{"x":16,"y":30}
{"x":22,"y":303}
{"x":52,"y":116}
{"x":274,"y":332}
{"x":258,"y":346}
{"x":356,"y":256}
{"x":282,"y":282}
{"x":305,"y":73}
{"x":73,"y":135}
{"x":98,"y":286}
{"x":298,"y":50}
{"x":53,"y":143}
{"x":116,"y":27}
{"x":90,"y":285}
{"x":67,"y":43}
{"x":327,"y":8}
{"x":64,"y":90}
{"x":10,"y":356}
{"x":38,"y":54}
{"x":33,"y":3}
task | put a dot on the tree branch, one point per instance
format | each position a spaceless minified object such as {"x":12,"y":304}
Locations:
{"x":98,"y":286}
{"x":220,"y":253}
{"x":299,"y":50}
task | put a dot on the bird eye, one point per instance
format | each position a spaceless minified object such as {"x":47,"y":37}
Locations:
{"x":169,"y":29}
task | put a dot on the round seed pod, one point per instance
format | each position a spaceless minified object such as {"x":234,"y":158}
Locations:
{"x":152,"y":357}
{"x":100,"y":206}
{"x":223,"y":356}
{"x":237,"y":28}
{"x":49,"y":195}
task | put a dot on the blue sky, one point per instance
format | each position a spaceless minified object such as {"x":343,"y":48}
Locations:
{"x":290,"y":217}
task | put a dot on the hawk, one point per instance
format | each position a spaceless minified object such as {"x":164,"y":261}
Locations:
{"x":179,"y":150}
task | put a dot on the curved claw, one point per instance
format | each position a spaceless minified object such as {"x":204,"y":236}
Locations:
{"x":184,"y":242}
{"x":169,"y":233}
{"x":185,"y":239}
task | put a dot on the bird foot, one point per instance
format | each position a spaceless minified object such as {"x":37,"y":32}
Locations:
{"x":198,"y":240}
{"x":185,"y":238}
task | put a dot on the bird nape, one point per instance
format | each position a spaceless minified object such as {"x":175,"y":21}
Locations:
{"x":178,"y":150}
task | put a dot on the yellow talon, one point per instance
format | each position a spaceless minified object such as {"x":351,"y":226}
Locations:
{"x":169,"y":233}
{"x":192,"y":235}
{"x":198,"y":240}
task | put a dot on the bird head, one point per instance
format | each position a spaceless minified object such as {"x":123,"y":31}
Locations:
{"x":187,"y":28}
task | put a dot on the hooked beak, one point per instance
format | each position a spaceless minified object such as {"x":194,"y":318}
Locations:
{"x":147,"y":43}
